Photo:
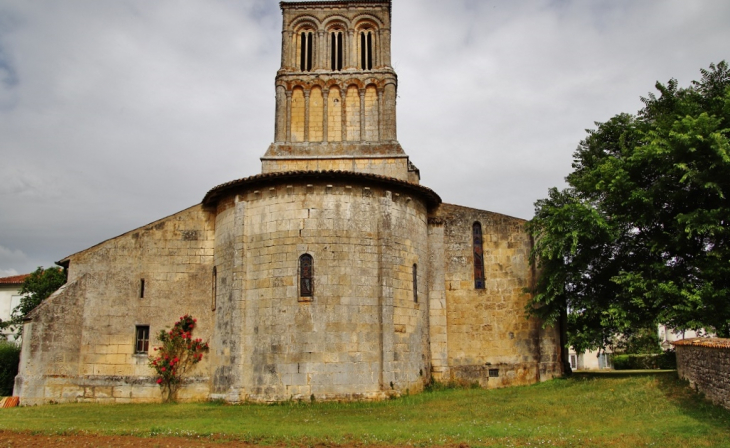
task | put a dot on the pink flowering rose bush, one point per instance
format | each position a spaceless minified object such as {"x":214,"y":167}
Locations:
{"x":178,"y":354}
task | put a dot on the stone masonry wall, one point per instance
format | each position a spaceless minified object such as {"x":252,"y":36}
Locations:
{"x":361,"y":335}
{"x":226,"y":355}
{"x":396,"y":167}
{"x":80,"y":342}
{"x":482,"y":335}
{"x":705,"y":363}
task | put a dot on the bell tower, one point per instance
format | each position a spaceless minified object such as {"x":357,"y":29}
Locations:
{"x":336,"y":91}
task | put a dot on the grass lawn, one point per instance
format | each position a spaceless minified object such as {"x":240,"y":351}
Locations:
{"x":586,"y":410}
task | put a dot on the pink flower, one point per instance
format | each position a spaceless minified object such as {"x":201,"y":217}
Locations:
{"x":163,"y":369}
{"x":159,"y":380}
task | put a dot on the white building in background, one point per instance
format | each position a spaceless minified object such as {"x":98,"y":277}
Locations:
{"x":590,"y":360}
{"x":9,"y":299}
{"x":667,"y":335}
{"x":598,"y":360}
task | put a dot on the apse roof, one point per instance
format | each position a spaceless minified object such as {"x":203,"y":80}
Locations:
{"x":431,"y":197}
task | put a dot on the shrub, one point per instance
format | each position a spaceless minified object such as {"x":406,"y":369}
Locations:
{"x":9,"y":359}
{"x":179,"y":353}
{"x":666,"y":360}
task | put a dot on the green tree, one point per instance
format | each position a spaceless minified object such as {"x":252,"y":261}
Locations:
{"x":642,"y":233}
{"x":40,"y":284}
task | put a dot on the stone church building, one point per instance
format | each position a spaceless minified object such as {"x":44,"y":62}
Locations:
{"x":332,"y":274}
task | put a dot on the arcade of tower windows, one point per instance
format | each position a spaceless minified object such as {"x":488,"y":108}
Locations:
{"x":335,"y":44}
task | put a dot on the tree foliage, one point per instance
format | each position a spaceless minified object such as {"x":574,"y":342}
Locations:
{"x":642,"y":233}
{"x":36,"y":288}
{"x":9,"y":359}
{"x":178,"y":353}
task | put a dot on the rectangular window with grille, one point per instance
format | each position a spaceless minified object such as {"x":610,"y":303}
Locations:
{"x":142,"y":339}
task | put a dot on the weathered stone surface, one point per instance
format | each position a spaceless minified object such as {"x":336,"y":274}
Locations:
{"x":705,"y":363}
{"x":475,"y":330}
{"x":86,"y":330}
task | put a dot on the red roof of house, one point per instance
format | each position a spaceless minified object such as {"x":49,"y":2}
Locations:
{"x":13,"y":279}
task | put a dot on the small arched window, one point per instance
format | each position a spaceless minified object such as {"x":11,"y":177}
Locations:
{"x":306,"y":48}
{"x":415,"y":283}
{"x":336,"y":50}
{"x":478,"y":256}
{"x":366,"y":49}
{"x":306,"y":276}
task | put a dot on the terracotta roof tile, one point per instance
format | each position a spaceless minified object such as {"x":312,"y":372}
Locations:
{"x":14,"y":279}
{"x":703,"y":342}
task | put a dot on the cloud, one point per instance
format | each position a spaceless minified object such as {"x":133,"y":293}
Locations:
{"x":8,"y":74}
{"x":506,"y":89}
{"x":8,"y":272}
{"x":10,"y":260}
{"x":124,"y":112}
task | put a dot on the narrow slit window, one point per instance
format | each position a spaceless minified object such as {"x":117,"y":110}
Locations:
{"x":309,"y":51}
{"x":478,"y":256}
{"x":415,"y":283}
{"x":362,"y":50}
{"x":339,"y":51}
{"x":142,"y":339}
{"x":303,"y":52}
{"x":366,"y":50}
{"x":306,"y":49}
{"x":370,"y":51}
{"x":336,"y":51}
{"x":306,"y":276}
{"x":141,"y":289}
{"x":215,"y":289}
{"x":333,"y":52}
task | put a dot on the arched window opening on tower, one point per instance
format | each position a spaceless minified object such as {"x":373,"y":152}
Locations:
{"x":415,"y":283}
{"x":478,"y":256}
{"x":306,"y":277}
{"x":306,"y":48}
{"x":336,"y":50}
{"x":366,"y":49}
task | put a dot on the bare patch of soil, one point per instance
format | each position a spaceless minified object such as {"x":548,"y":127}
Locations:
{"x":10,"y":439}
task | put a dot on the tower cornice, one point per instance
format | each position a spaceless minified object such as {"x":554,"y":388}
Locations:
{"x":335,"y":3}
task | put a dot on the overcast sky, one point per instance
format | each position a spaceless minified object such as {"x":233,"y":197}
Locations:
{"x":115,"y":113}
